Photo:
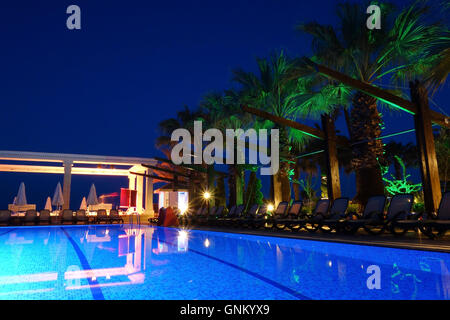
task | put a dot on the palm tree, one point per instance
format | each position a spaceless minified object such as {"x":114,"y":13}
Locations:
{"x":185,"y":119}
{"x":440,"y":57}
{"x":272,"y":91}
{"x":396,"y":52}
{"x":443,"y":156}
{"x":222,"y":111}
{"x":408,"y":154}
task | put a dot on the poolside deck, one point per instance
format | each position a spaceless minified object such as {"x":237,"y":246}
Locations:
{"x":410,"y":240}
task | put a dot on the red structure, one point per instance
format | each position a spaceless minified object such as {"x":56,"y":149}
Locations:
{"x":127,"y":198}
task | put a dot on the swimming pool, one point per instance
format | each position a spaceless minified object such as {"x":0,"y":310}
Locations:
{"x":127,"y":262}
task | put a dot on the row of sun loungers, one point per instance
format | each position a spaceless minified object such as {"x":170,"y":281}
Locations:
{"x":67,"y":216}
{"x":332,"y":217}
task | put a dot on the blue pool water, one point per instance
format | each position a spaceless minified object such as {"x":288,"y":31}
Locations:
{"x":128,"y":262}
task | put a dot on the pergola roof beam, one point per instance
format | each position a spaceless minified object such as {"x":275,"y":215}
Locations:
{"x":75,"y":158}
{"x":310,"y":131}
{"x":381,"y":94}
{"x":60,"y":170}
{"x":153,"y":176}
{"x":166,"y":170}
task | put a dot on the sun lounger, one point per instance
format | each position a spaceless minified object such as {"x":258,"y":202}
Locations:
{"x":80,"y":216}
{"x":221,"y":220}
{"x":67,"y":216}
{"x":56,"y":217}
{"x":31,"y":217}
{"x":217,"y":214}
{"x":220,"y":215}
{"x":255,"y":221}
{"x":279,"y":213}
{"x":5,"y":217}
{"x":248,"y":217}
{"x":435,"y":227}
{"x":260,"y":218}
{"x":291,"y":218}
{"x":373,"y":213}
{"x":237,"y":215}
{"x":102,"y":216}
{"x":336,"y":216}
{"x":376,"y":223}
{"x":114,"y":216}
{"x":232,"y":216}
{"x":312,"y":222}
{"x":202,"y":219}
{"x":192,"y":218}
{"x":44,"y":216}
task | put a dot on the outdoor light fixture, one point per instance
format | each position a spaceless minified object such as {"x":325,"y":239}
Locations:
{"x":183,"y":209}
{"x":206,"y":195}
{"x":206,"y":243}
{"x":270,"y":207}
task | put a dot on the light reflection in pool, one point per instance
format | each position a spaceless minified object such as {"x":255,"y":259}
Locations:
{"x":124,"y":262}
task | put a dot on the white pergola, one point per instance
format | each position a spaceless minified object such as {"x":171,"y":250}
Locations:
{"x":68,"y":164}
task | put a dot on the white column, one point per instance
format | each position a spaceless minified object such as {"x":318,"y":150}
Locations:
{"x":140,"y":193}
{"x":149,"y":195}
{"x":132,"y":182}
{"x":67,"y":183}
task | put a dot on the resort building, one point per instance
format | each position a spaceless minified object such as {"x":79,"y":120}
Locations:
{"x":70,"y":164}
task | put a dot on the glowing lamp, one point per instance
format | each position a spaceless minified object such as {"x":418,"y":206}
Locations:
{"x":183,"y":209}
{"x":270,"y":207}
{"x":206,"y":195}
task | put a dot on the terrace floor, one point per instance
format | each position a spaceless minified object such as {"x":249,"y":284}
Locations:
{"x":411,"y":240}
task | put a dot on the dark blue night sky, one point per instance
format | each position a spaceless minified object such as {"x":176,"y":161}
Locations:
{"x":104,"y":89}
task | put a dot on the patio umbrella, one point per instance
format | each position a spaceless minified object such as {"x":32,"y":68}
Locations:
{"x":83,"y":205}
{"x":92,"y":197}
{"x":21,"y":197}
{"x":48,"y":204}
{"x":58,"y":199}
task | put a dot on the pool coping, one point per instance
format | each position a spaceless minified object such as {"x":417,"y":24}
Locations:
{"x":379,"y":241}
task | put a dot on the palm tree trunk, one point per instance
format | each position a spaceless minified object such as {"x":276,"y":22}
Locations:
{"x":232,"y":185}
{"x":239,"y":185}
{"x":250,"y":190}
{"x":397,"y":170}
{"x":285,"y":166}
{"x":295,"y":185}
{"x":210,"y":180}
{"x":277,"y":188}
{"x":348,"y":122}
{"x":272,"y":188}
{"x":220,"y":192}
{"x":366,"y":125}
{"x":285,"y":186}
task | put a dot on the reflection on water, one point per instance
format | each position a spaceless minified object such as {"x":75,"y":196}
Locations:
{"x":123,"y":262}
{"x":182,"y":241}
